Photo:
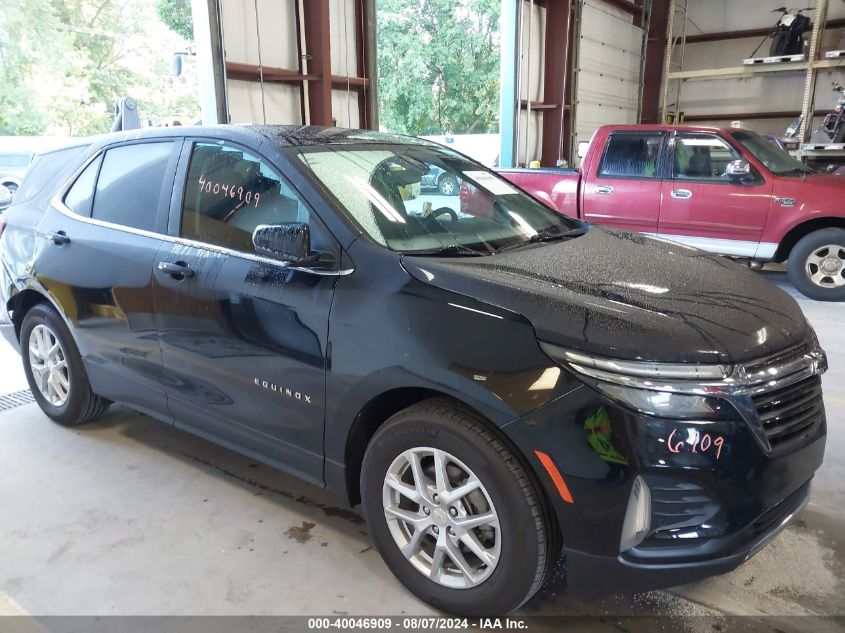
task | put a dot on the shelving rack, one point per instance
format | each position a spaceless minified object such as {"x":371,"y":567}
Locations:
{"x":675,"y":74}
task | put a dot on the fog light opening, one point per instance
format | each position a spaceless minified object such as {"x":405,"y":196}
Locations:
{"x":637,"y":516}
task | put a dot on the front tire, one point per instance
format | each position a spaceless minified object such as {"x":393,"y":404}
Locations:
{"x":453,"y":512}
{"x":54,"y":370}
{"x":816,"y":265}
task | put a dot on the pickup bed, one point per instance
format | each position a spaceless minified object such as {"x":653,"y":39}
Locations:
{"x":729,"y":191}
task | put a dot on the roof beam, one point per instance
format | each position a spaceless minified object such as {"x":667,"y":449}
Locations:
{"x":737,"y":35}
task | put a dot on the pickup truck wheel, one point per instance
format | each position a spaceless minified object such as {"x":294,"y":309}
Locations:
{"x":54,"y":369}
{"x":448,"y":186}
{"x":816,"y":265}
{"x":453,"y":513}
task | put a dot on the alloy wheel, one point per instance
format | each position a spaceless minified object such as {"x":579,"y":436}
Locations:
{"x":447,"y":187}
{"x":825,"y":266}
{"x":48,"y":364}
{"x":442,"y":518}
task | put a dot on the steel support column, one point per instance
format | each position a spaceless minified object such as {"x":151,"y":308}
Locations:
{"x":560,"y":37}
{"x":212,"y":73}
{"x":316,"y":17}
{"x":654,"y":61}
{"x":365,"y":44}
{"x":509,"y":87}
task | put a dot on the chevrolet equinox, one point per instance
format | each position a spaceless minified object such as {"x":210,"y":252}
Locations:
{"x":498,"y":385}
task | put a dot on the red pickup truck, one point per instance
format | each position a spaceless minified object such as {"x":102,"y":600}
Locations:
{"x":728,"y":191}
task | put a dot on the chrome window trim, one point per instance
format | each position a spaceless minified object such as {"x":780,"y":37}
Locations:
{"x":58,"y":203}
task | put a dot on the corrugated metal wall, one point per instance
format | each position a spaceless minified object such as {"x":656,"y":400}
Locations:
{"x":608,"y":67}
{"x":773,"y":92}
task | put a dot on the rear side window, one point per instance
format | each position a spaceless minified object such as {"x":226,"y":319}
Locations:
{"x":48,"y":171}
{"x":81,"y":194}
{"x":631,"y":155}
{"x":229,"y":192}
{"x":130,"y":184}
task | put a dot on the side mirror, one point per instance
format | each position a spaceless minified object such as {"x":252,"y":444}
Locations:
{"x":290,"y":242}
{"x":582,"y":148}
{"x":740,"y":171}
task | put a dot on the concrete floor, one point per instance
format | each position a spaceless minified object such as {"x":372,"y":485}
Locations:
{"x":130,"y":516}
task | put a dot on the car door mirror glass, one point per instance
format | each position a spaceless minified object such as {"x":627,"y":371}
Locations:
{"x":289,"y":242}
{"x":583,"y":146}
{"x":740,"y":171}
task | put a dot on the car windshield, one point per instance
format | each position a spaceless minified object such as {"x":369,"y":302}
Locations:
{"x":427,"y":200}
{"x":773,"y":157}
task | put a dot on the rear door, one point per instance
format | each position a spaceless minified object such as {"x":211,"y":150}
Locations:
{"x":703,"y":207}
{"x":623,"y":190}
{"x":99,"y":243}
{"x":244,"y":336}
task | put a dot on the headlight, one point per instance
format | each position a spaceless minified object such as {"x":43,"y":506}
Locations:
{"x":664,"y":404}
{"x":668,"y":390}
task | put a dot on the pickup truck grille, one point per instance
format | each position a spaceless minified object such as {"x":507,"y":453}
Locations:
{"x":791,"y":411}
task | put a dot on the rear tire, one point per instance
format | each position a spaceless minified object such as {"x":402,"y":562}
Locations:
{"x":522,"y":534}
{"x":816,"y":265}
{"x":54,"y":370}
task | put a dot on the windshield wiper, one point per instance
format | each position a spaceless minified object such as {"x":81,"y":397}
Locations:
{"x":546,"y":236}
{"x":452,"y":250}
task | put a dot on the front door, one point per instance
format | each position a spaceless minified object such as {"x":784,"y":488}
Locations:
{"x":703,"y":207}
{"x":623,"y":190}
{"x":243,"y":336}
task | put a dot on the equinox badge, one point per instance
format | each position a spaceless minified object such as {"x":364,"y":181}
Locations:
{"x":285,"y":391}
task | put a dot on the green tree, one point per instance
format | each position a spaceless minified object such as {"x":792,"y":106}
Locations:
{"x":31,"y":55}
{"x":176,"y":14}
{"x":438,"y":65}
{"x":64,"y":63}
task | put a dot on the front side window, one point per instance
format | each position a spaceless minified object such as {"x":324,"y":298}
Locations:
{"x":702,"y":157}
{"x":229,"y":192}
{"x":130,"y":184}
{"x":379,"y":187}
{"x":631,"y":155}
{"x":81,"y":194}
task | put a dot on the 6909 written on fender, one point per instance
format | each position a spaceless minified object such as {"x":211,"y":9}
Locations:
{"x":417,"y":623}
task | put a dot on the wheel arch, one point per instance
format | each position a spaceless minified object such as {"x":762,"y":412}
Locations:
{"x":21,"y":303}
{"x":383,"y":406}
{"x":802,"y":230}
{"x":371,"y":416}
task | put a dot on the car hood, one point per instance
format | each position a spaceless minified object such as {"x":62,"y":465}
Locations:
{"x":628,"y":296}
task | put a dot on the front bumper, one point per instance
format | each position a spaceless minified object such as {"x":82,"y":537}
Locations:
{"x":709,"y":512}
{"x":593,"y":576}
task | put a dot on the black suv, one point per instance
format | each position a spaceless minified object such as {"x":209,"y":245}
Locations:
{"x":498,"y":386}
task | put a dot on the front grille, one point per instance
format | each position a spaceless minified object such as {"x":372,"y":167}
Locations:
{"x":782,"y":357}
{"x":789,"y":412}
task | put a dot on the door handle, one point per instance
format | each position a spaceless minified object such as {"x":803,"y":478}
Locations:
{"x":58,"y":238}
{"x":681,"y":194}
{"x":179,"y":270}
{"x":605,"y":189}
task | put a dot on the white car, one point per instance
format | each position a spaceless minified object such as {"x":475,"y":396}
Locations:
{"x":5,"y":197}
